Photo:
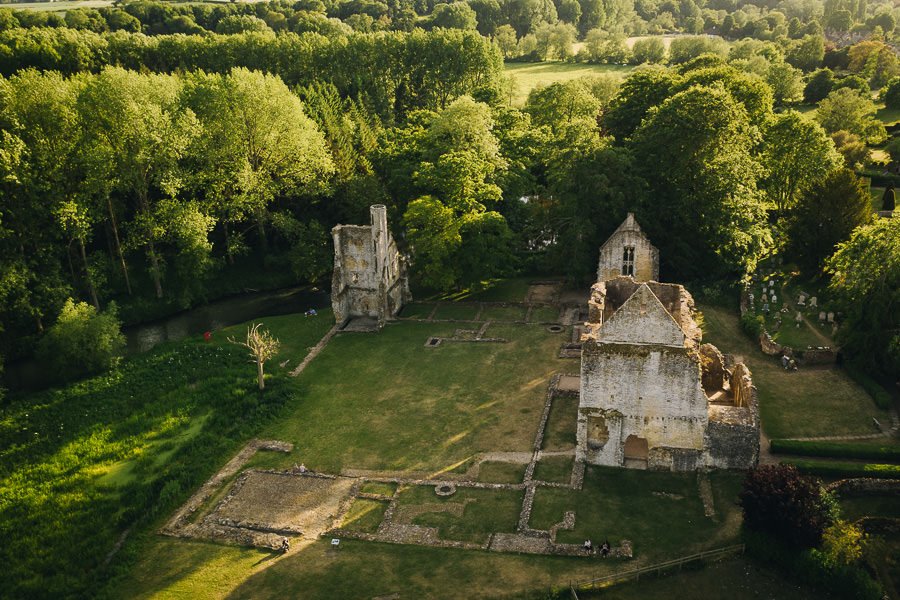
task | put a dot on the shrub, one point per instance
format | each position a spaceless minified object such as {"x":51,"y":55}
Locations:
{"x":820,"y":84}
{"x":891,"y":93}
{"x":753,"y":325}
{"x":835,"y":450}
{"x":779,"y":500}
{"x":82,"y":341}
{"x":846,"y":470}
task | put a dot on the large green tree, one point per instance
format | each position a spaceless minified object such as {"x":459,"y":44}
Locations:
{"x":865,"y":279}
{"x":705,"y":211}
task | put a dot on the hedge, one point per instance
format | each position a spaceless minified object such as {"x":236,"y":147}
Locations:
{"x":845,"y":470}
{"x":881,"y":397}
{"x":836,"y":449}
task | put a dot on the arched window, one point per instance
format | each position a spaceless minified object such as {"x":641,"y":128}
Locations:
{"x":628,"y":260}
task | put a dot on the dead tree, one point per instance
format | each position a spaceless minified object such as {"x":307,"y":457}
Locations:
{"x":262,"y":346}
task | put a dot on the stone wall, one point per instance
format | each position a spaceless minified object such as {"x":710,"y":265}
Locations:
{"x":369,"y":278}
{"x":646,"y":256}
{"x":732,"y":437}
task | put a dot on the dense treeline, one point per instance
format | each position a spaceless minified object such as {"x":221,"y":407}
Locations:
{"x":395,"y":72}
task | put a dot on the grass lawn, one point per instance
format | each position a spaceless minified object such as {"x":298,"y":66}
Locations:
{"x":469,"y":515}
{"x":853,"y":508}
{"x":527,"y":76}
{"x":888,"y":115}
{"x":460,"y":312}
{"x":543,"y":314}
{"x":364,"y":515}
{"x":377,"y":487}
{"x":417,"y":310}
{"x":384,"y":401}
{"x":661,"y":513}
{"x":503,"y":313}
{"x":501,"y":472}
{"x":809,"y":402}
{"x":735,"y":579}
{"x":559,"y":433}
{"x":555,"y":469}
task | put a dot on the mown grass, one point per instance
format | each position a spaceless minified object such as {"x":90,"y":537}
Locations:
{"x":364,"y":515}
{"x":483,"y":511}
{"x":853,"y":508}
{"x":527,"y":76}
{"x":805,"y":403}
{"x":408,"y":407}
{"x":81,"y":464}
{"x":559,"y":433}
{"x":462,"y":312}
{"x":555,"y":469}
{"x":417,"y":310}
{"x":377,"y":487}
{"x":661,"y":513}
{"x":501,"y":472}
{"x":543,"y":314}
{"x":735,"y":579}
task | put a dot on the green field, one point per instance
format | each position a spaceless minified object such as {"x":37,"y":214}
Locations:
{"x":805,"y":403}
{"x":527,"y":76}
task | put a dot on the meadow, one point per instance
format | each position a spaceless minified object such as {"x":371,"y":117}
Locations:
{"x":527,"y":76}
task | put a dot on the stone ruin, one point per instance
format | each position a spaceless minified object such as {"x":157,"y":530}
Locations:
{"x":652,"y":395}
{"x":370,"y":280}
{"x":628,"y":251}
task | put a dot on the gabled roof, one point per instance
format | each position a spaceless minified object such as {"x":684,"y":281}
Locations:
{"x":642,"y":319}
{"x":630,"y":224}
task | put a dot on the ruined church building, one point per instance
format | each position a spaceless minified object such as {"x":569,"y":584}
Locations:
{"x":652,"y":396}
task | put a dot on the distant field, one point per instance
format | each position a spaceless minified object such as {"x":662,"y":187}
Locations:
{"x":59,"y":6}
{"x":527,"y":76}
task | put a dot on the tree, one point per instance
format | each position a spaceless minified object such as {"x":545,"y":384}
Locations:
{"x":875,"y":61}
{"x":779,"y":500}
{"x":83,"y":341}
{"x":796,"y":153}
{"x":505,"y":39}
{"x":826,"y":215}
{"x":489,"y":16}
{"x":786,"y":83}
{"x":455,"y":15}
{"x":262,"y":346}
{"x":819,"y":86}
{"x":808,"y":53}
{"x":891,"y":94}
{"x":848,"y":110}
{"x":865,"y":281}
{"x":555,"y":41}
{"x":560,"y":104}
{"x":645,"y":88}
{"x":683,"y":49}
{"x":602,"y":47}
{"x":241,"y":23}
{"x":853,"y":149}
{"x":706,"y":212}
{"x":888,"y":201}
{"x":258,"y":144}
{"x":648,"y":50}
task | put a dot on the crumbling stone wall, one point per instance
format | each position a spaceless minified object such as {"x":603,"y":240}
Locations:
{"x":642,"y":383}
{"x":612,"y":254}
{"x":370,"y":276}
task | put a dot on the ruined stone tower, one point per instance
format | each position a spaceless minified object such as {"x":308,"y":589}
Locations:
{"x":370,"y":280}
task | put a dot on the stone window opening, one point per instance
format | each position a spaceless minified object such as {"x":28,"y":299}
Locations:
{"x":598,"y":432}
{"x":628,"y":260}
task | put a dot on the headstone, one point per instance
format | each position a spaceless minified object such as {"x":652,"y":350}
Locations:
{"x":821,"y":316}
{"x":765,"y":308}
{"x":764,"y":298}
{"x":798,"y":318}
{"x":771,"y":283}
{"x":813,"y":302}
{"x":831,"y":317}
{"x":774,"y":298}
{"x":801,"y":299}
{"x":785,"y":308}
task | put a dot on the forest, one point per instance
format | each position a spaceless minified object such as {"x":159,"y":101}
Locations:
{"x":157,"y":155}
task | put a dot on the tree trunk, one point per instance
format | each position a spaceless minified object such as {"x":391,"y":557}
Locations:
{"x":87,"y":275}
{"x":261,"y":224}
{"x":259,"y":373}
{"x":115,"y":228}
{"x":154,"y":269}
{"x":228,"y":255}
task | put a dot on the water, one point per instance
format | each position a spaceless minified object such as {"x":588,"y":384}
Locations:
{"x":28,"y":375}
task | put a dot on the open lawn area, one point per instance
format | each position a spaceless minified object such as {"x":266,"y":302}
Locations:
{"x":805,"y":403}
{"x":527,"y":76}
{"x":387,"y":402}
